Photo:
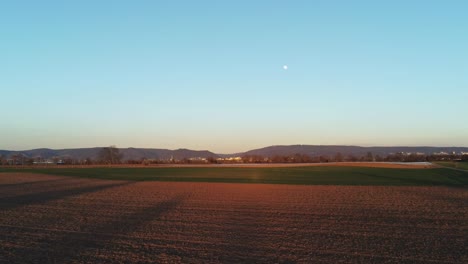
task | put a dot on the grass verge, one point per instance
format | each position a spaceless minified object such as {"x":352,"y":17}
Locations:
{"x":453,"y":164}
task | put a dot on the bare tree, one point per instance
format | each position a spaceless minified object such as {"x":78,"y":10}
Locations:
{"x":211,"y":160}
{"x":352,"y":158}
{"x":324,"y":158}
{"x":14,"y":158}
{"x":378,"y":158}
{"x":339,"y":157}
{"x":110,"y":155}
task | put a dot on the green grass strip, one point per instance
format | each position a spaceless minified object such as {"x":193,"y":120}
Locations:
{"x":285,"y":175}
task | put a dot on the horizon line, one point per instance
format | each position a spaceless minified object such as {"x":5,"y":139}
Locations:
{"x":182,"y":148}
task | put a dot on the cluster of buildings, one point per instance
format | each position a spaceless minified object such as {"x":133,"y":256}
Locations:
{"x":441,"y":153}
{"x":218,"y":160}
{"x":410,"y":153}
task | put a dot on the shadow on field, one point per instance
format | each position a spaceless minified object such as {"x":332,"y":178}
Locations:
{"x":390,"y":180}
{"x":28,"y":184}
{"x":463,"y":182}
{"x":91,"y":244}
{"x":12,"y":202}
{"x":453,"y":198}
{"x":245,"y":242}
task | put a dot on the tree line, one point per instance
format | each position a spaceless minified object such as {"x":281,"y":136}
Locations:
{"x":339,"y":157}
{"x":107,"y":155}
{"x":111,"y":155}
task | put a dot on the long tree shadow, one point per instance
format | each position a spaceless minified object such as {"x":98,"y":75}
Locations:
{"x":12,"y":202}
{"x":83,"y":246}
{"x":458,"y":185}
{"x":455,"y":200}
{"x":29,"y":184}
{"x":461,"y":179}
{"x":398,"y":180}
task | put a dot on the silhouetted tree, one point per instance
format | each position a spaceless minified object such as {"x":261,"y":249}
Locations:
{"x":68,"y":161}
{"x":211,"y":160}
{"x":277,"y":159}
{"x":247,"y":159}
{"x":379,"y":158}
{"x":415,"y":158}
{"x":133,"y":162}
{"x":306,"y":158}
{"x":110,"y":155}
{"x":324,"y":159}
{"x":397,"y":157}
{"x":315,"y":159}
{"x":338,"y":157}
{"x":17,"y":158}
{"x":88,"y":161}
{"x":352,"y":158}
{"x":300,"y":158}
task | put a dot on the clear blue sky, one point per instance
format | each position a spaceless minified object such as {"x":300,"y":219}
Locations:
{"x":209,"y":74}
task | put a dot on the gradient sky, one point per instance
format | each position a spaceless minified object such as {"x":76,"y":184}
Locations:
{"x":209,"y":74}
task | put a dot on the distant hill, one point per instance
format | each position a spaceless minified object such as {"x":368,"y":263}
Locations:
{"x":165,"y":154}
{"x":128,"y":153}
{"x":330,"y":150}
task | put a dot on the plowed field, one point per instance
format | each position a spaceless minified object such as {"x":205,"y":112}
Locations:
{"x":58,"y":219}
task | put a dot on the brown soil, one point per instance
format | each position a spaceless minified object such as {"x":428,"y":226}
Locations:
{"x":50,"y":219}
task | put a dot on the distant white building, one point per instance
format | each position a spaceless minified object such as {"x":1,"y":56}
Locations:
{"x":45,"y":162}
{"x":197,"y":159}
{"x":230,"y":159}
{"x":440,"y":153}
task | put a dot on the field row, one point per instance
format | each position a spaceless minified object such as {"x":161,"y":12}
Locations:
{"x":62,"y":220}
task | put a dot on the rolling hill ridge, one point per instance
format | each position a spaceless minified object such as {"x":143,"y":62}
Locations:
{"x":285,"y":150}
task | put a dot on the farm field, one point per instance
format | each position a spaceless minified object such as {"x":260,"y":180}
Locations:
{"x":300,"y":175}
{"x":56,"y":219}
{"x":452,"y":164}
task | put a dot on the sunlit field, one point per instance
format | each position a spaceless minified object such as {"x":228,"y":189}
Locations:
{"x":56,"y":219}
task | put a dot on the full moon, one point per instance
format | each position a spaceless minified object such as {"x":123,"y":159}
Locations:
{"x":285,"y":67}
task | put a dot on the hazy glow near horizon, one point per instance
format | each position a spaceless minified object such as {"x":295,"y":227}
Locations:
{"x":205,"y":74}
